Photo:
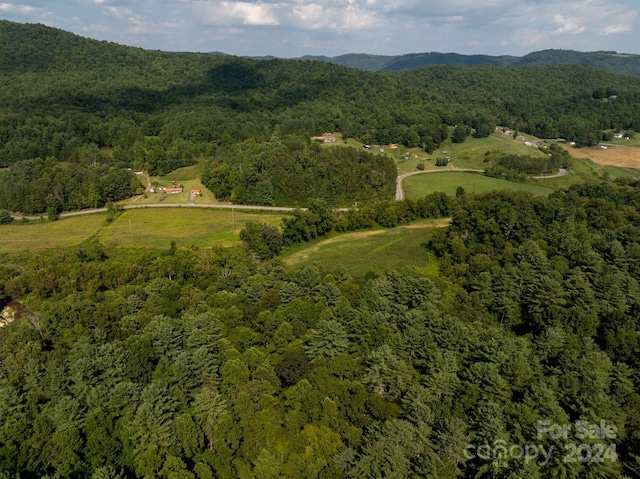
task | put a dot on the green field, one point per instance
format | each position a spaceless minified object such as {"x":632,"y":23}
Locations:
{"x":421,"y":185}
{"x":375,"y":250}
{"x":157,"y":227}
{"x":18,"y":237}
{"x":143,"y":228}
{"x":189,"y":177}
{"x":468,"y":154}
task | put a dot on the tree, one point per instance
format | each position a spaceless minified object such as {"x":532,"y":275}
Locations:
{"x":5,"y":217}
{"x":329,"y":340}
{"x":459,"y":134}
{"x":263,"y":239}
{"x":482,"y":130}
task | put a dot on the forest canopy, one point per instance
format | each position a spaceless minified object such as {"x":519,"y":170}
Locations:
{"x":211,"y":362}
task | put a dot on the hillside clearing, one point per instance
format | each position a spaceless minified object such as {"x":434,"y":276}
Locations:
{"x":143,"y":228}
{"x":376,"y":250}
{"x":620,"y":156}
{"x":418,"y":186}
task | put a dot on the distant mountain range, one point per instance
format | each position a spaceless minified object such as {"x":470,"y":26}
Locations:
{"x":626,"y":64}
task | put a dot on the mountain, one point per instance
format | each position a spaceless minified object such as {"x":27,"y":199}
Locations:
{"x":74,"y":99}
{"x":626,"y":64}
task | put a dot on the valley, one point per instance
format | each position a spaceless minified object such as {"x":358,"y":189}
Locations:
{"x":228,"y":267}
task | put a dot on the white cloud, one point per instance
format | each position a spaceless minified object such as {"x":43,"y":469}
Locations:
{"x":570,"y":29}
{"x":96,"y":28}
{"x":227,"y":13}
{"x":333,"y":27}
{"x":615,"y":29}
{"x":20,"y":9}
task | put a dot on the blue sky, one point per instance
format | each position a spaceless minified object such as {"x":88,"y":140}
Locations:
{"x":290,"y":28}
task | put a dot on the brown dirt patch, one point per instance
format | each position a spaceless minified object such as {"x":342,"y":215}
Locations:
{"x":622,"y":156}
{"x":440,"y":224}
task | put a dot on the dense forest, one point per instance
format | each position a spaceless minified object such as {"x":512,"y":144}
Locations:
{"x":516,"y":357}
{"x":34,"y":186}
{"x":67,"y":99}
{"x":624,"y":63}
{"x":205,"y":363}
{"x":291,"y":171}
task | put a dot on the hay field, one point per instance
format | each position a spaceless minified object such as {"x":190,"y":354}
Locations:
{"x":620,"y":156}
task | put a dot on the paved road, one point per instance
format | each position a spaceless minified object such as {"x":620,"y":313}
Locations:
{"x":169,"y":205}
{"x":561,"y":172}
{"x":399,"y":197}
{"x":400,"y":192}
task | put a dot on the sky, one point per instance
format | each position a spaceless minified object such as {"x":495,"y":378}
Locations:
{"x":293,"y":28}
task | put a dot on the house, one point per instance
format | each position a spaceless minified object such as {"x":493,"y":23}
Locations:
{"x":173,"y":191}
{"x":618,"y":135}
{"x":196,"y":192}
{"x":325,"y":138}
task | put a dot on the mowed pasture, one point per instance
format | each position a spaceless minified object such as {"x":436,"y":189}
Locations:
{"x":469,"y":154}
{"x":18,"y":237}
{"x":373,"y":250}
{"x":189,"y":177}
{"x":141,"y":228}
{"x":158,"y":227}
{"x":417,"y":186}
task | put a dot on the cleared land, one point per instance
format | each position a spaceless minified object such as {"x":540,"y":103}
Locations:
{"x":418,"y":186}
{"x":189,"y":177}
{"x":156,"y":228}
{"x":375,"y":250}
{"x":17,"y":237}
{"x":144,"y":228}
{"x":468,"y":154}
{"x":620,"y":156}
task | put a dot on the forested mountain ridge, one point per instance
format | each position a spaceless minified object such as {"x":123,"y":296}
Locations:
{"x":207,"y":362}
{"x":626,"y":64}
{"x":69,"y":99}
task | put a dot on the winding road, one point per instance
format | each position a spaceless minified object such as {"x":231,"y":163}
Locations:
{"x":168,"y":205}
{"x":400,"y":192}
{"x":399,"y":197}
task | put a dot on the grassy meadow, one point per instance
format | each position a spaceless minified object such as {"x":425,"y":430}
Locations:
{"x":152,"y":228}
{"x":18,"y":237}
{"x":189,"y":177}
{"x":373,"y":250}
{"x":157,"y":227}
{"x":469,"y":154}
{"x":418,"y":186}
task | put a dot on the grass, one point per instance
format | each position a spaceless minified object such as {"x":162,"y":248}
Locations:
{"x":157,"y":227}
{"x":420,"y":185}
{"x":19,"y":237}
{"x":374,"y":250}
{"x":468,"y":154}
{"x":143,"y":228}
{"x":189,"y":177}
{"x":620,"y":156}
